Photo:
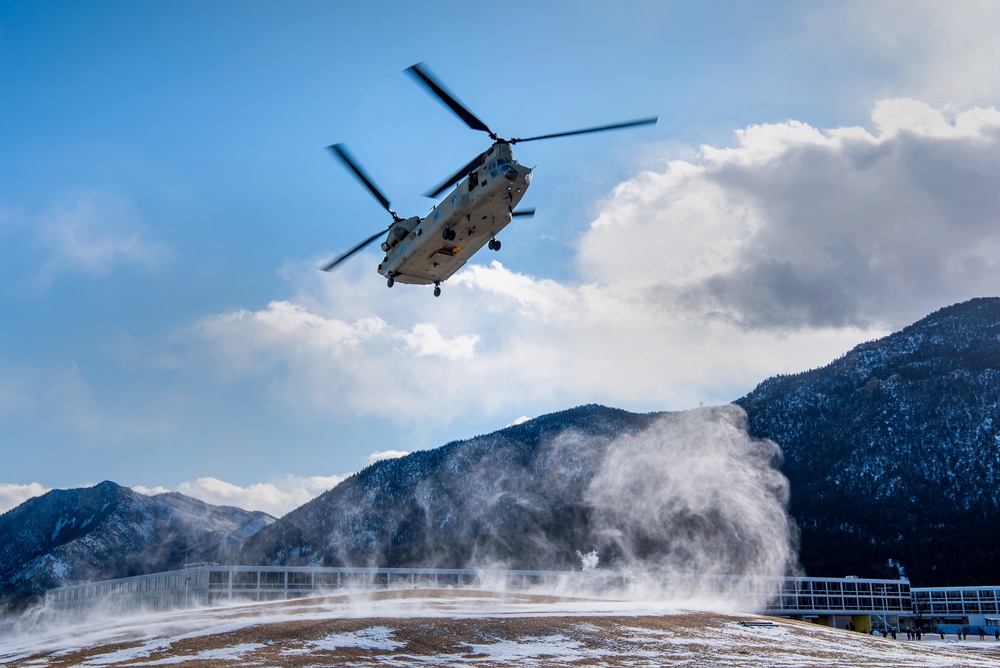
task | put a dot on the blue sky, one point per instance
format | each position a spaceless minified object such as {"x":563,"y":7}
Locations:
{"x":821,"y":174}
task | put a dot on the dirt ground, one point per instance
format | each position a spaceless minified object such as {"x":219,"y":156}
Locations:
{"x":463,"y":628}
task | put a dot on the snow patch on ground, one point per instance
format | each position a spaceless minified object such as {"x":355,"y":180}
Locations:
{"x":236,"y":653}
{"x":374,"y":638}
{"x":452,"y":628}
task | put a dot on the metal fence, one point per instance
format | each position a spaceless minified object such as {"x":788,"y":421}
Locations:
{"x":212,"y":584}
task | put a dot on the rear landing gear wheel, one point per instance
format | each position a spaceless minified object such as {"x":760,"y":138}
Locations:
{"x":390,"y":281}
{"x":494,"y":244}
{"x":437,"y":290}
{"x":448,"y":235}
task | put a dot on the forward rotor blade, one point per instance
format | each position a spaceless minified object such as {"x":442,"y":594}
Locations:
{"x":423,"y":75}
{"x":528,"y":213}
{"x":457,"y":176}
{"x":602,"y":128}
{"x":344,"y":256}
{"x":340,"y":151}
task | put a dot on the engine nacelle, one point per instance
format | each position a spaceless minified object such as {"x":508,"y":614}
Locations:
{"x":399,"y":231}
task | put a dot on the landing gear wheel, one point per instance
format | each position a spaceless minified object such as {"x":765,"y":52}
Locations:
{"x":437,"y":290}
{"x":390,"y":281}
{"x":494,"y":244}
{"x":448,"y":235}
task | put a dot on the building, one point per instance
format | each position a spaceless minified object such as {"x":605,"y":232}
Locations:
{"x":860,"y":604}
{"x":856,"y":603}
{"x":949,"y":609}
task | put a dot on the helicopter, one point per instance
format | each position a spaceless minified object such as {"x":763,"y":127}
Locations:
{"x":430,"y":249}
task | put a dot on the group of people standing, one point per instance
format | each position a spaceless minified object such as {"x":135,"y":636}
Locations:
{"x":962,"y":633}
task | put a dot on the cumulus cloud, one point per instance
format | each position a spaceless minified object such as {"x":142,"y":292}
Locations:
{"x":696,"y":281}
{"x":92,"y":234}
{"x":540,"y":345}
{"x":13,"y":495}
{"x":322,"y":361}
{"x":946,"y":52}
{"x":150,"y":491}
{"x":386,"y":454}
{"x":275,"y":498}
{"x":797,"y":227}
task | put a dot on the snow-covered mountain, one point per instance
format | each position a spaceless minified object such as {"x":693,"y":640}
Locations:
{"x":686,"y":493}
{"x":109,"y":531}
{"x":891,"y":460}
{"x":892,"y":454}
{"x":893,"y":451}
{"x":488,"y":499}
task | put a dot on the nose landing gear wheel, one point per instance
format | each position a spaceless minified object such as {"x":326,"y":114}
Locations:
{"x":448,"y":235}
{"x":437,"y":290}
{"x":494,"y":244}
{"x":390,"y":281}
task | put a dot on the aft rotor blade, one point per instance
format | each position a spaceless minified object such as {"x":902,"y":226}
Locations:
{"x":602,"y":128}
{"x":341,"y":258}
{"x":420,"y":72}
{"x":528,"y":213}
{"x":457,"y":176}
{"x":341,"y":152}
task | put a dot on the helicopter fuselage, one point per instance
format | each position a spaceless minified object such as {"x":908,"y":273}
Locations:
{"x":431,"y":249}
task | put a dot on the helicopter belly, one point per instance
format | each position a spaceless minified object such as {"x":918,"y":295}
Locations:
{"x":475,"y":217}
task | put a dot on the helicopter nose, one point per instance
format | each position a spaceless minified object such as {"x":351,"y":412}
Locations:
{"x":522,"y":172}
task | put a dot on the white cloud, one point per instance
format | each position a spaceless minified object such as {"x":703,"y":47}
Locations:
{"x":385,"y":454}
{"x":91,"y":234}
{"x":149,"y":491}
{"x":13,"y":495}
{"x":275,"y":498}
{"x":697,"y":281}
{"x":946,"y":51}
{"x":540,"y":345}
{"x":802,"y":228}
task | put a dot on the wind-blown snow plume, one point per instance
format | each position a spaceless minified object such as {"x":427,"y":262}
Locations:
{"x":690,"y":508}
{"x":686,"y":497}
{"x":696,"y":483}
{"x":696,"y":498}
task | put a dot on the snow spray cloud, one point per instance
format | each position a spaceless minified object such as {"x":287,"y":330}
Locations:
{"x":687,"y":497}
{"x":699,"y":501}
{"x":687,"y":506}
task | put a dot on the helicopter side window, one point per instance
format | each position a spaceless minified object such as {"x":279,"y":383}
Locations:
{"x":473,"y":180}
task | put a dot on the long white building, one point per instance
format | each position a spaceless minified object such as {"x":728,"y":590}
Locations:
{"x":949,"y":609}
{"x":857,"y":603}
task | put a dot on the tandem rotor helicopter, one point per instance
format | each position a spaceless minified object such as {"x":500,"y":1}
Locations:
{"x":430,"y":249}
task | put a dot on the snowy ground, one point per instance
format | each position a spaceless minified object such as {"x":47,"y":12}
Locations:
{"x":464,"y":628}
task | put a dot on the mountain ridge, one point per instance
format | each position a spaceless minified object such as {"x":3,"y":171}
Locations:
{"x":896,"y":447}
{"x":109,"y":531}
{"x":890,"y":456}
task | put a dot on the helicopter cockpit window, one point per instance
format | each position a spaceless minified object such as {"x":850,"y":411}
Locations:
{"x":498,"y":167}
